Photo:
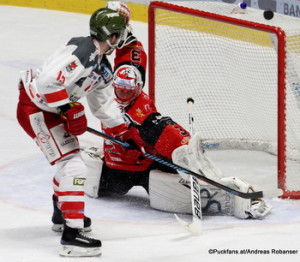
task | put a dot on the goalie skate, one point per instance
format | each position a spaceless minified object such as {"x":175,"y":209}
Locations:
{"x":246,"y":208}
{"x":258,"y":209}
{"x":76,"y":244}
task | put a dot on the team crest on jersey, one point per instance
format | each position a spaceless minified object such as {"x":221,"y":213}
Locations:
{"x":139,"y":113}
{"x":71,"y":67}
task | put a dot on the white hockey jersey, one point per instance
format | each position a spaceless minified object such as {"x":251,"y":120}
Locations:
{"x":74,"y":71}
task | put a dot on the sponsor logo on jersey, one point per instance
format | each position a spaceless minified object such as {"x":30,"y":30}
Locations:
{"x":78,"y":181}
{"x":106,"y":73}
{"x":94,"y":78}
{"x":71,"y":67}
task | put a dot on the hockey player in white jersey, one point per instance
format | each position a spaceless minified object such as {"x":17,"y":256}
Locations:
{"x":49,"y":112}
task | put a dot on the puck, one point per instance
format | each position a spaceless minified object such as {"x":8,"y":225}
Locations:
{"x":268,"y":14}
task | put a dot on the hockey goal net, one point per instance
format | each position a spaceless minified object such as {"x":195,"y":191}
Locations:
{"x":242,"y":72}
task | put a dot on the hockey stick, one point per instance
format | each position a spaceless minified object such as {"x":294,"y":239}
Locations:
{"x":201,"y":176}
{"x":196,"y":225}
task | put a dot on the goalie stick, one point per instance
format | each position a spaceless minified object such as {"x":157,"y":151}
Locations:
{"x":196,"y":225}
{"x":201,"y":176}
{"x":190,"y":101}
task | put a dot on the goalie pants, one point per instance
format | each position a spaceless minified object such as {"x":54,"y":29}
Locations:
{"x":61,"y":149}
{"x":119,"y":181}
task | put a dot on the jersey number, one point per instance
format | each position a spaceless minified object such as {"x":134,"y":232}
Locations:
{"x":61,"y":78}
{"x":135,"y":55}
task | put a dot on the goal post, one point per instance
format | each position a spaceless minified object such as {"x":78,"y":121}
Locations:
{"x":240,"y":69}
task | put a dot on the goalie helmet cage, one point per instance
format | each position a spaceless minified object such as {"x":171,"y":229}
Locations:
{"x":242,"y":72}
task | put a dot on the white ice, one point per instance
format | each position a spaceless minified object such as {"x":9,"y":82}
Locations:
{"x":129,"y":229}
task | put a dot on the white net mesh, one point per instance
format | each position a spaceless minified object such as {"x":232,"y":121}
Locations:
{"x":231,"y":72}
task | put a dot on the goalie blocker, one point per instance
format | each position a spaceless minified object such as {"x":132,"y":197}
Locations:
{"x":171,"y":193}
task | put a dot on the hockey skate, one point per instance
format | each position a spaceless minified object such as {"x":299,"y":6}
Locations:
{"x":59,"y":221}
{"x":258,"y":209}
{"x":76,"y":244}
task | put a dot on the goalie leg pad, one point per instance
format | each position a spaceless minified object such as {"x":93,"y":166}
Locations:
{"x":169,"y":192}
{"x":193,"y":157}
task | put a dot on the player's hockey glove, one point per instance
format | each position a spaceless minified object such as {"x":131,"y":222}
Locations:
{"x":75,"y":119}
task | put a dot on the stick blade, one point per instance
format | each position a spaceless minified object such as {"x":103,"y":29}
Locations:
{"x":194,"y":227}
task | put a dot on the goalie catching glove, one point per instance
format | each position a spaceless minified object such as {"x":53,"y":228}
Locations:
{"x":75,"y":119}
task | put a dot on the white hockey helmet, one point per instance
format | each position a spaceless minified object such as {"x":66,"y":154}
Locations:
{"x":121,"y":8}
{"x":127,"y":83}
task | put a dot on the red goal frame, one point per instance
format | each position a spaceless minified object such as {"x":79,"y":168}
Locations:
{"x":281,"y":140}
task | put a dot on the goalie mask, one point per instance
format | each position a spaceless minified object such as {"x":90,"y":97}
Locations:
{"x":121,"y":8}
{"x":127,"y":84}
